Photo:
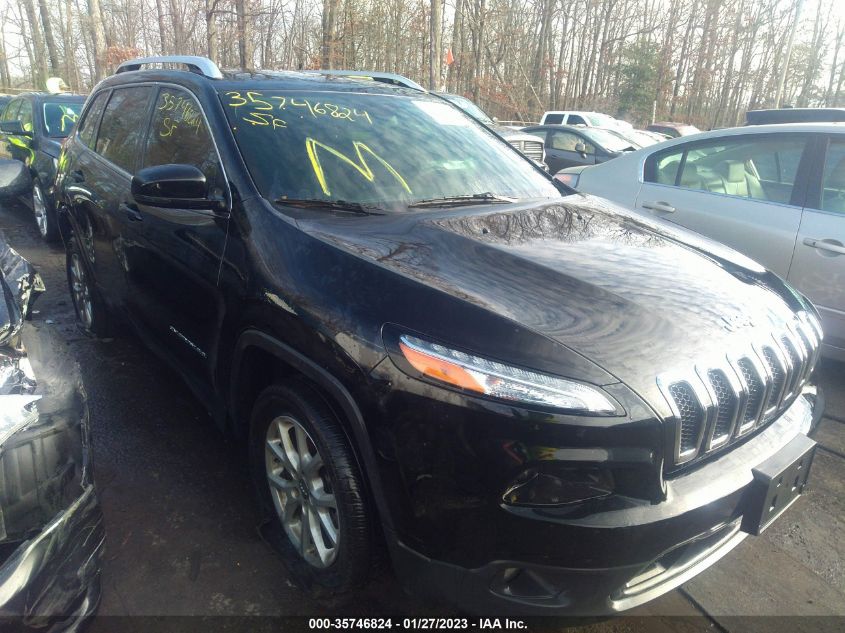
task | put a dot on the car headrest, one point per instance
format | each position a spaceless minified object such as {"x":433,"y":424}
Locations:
{"x":733,"y":170}
{"x":689,"y":177}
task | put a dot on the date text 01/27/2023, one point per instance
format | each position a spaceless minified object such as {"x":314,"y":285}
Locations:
{"x":415,"y":624}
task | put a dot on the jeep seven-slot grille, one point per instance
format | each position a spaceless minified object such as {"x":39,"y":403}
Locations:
{"x":713,"y":406}
{"x":755,"y":386}
{"x":727,"y":403}
{"x":690,"y":414}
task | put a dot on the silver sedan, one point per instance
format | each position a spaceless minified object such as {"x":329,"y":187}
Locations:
{"x":773,"y":192}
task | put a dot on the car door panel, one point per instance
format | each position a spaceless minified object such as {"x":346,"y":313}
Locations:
{"x":98,"y":183}
{"x":762,"y":231}
{"x":92,"y":188}
{"x":715,"y":188}
{"x":818,"y":268}
{"x":173,"y":272}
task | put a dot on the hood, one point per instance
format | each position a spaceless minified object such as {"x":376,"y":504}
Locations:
{"x":636,"y":299}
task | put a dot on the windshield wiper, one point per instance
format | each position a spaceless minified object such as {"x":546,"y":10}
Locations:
{"x":335,"y":205}
{"x":453,"y":201}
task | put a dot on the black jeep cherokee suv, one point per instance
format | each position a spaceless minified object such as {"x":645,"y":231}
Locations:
{"x":540,"y":402}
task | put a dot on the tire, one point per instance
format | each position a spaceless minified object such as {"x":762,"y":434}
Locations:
{"x":331,"y":490}
{"x":90,"y":310}
{"x":45,"y":215}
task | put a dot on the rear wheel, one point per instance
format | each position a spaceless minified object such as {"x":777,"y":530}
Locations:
{"x":45,"y":218}
{"x":90,"y":310}
{"x":310,"y":487}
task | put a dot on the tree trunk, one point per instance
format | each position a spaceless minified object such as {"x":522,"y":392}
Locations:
{"x":453,"y":74}
{"x":162,"y":31}
{"x":329,"y":37}
{"x":212,"y":42}
{"x":5,"y":79}
{"x":99,"y":37}
{"x":38,"y":59}
{"x":435,"y":45}
{"x":245,"y":46}
{"x":48,"y":36}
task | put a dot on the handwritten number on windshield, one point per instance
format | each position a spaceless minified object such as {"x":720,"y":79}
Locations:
{"x":256,"y":104}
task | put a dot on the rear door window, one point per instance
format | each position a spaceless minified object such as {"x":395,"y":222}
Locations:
{"x":11,"y":113}
{"x":757,"y":167}
{"x":88,"y":126}
{"x":553,"y":119}
{"x":123,"y":125}
{"x":25,"y":115}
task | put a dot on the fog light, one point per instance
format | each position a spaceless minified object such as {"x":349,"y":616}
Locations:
{"x":562,"y":487}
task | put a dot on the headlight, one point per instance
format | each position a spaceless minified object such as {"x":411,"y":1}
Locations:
{"x":497,"y":380}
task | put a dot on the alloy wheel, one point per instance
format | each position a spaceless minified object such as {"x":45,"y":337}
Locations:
{"x":80,"y":290}
{"x":39,"y":209}
{"x":302,"y":491}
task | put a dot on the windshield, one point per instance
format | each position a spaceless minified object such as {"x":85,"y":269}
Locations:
{"x":470,"y":108}
{"x":387,"y":151}
{"x":59,"y":117}
{"x":612,"y":141}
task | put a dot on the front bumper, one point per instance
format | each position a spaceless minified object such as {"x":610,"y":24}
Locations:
{"x":52,"y":581}
{"x":620,"y":558}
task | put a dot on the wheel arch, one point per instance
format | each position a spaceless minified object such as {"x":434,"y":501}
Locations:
{"x":257,"y":349}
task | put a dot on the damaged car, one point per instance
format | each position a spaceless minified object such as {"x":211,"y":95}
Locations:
{"x":51,"y":528}
{"x":540,"y":402}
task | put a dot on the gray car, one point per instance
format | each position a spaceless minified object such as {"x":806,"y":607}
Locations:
{"x":773,"y":192}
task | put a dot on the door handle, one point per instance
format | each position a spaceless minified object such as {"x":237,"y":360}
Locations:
{"x":77,"y":176}
{"x":822,"y":245}
{"x":131,"y":212}
{"x":663,"y":207}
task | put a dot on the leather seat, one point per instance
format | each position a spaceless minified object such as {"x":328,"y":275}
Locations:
{"x":690,"y":178}
{"x":738,"y":182}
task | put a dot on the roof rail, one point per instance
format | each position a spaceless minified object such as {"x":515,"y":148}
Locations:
{"x":200,"y":65}
{"x":387,"y":78}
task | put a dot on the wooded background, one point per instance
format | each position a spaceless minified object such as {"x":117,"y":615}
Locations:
{"x":700,"y":61}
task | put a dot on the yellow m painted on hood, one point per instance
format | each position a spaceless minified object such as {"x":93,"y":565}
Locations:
{"x":361,"y":165}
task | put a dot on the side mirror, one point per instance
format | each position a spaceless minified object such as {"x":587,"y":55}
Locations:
{"x":581,"y":149}
{"x":173,"y":187}
{"x":14,"y":128}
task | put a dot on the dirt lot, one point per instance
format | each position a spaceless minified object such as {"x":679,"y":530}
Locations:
{"x":181,"y":528}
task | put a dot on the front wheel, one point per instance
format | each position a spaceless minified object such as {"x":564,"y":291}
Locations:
{"x":45,"y":217}
{"x":309,"y":484}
